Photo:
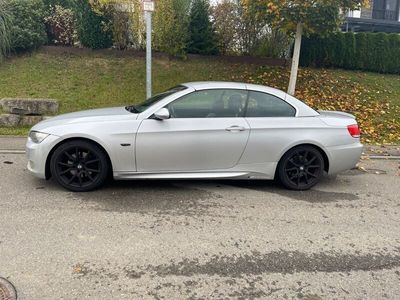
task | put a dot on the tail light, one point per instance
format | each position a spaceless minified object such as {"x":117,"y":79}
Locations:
{"x":354,"y":130}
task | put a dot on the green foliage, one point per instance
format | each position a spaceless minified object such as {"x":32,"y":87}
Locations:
{"x":63,"y":3}
{"x":60,"y":25}
{"x":250,"y":26}
{"x":171,"y":27}
{"x":349,"y":51}
{"x":393,"y":54}
{"x":377,"y":52}
{"x":93,"y":27}
{"x":361,"y":52}
{"x":121,"y":29}
{"x":273,"y":43}
{"x":227,"y":23}
{"x":202,"y":39}
{"x":5,"y":23}
{"x":316,"y":16}
{"x":27,"y":31}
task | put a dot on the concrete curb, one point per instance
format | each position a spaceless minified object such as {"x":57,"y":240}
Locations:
{"x":12,"y":151}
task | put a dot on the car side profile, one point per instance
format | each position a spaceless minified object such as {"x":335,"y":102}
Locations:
{"x":199,"y":130}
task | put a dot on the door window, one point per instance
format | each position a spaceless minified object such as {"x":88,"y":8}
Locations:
{"x":262,"y":105}
{"x":218,"y":103}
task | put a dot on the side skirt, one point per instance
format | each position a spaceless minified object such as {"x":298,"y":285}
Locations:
{"x":191,"y":175}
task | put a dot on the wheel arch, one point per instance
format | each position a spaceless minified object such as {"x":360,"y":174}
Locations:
{"x":317,"y":147}
{"x":49,"y":156}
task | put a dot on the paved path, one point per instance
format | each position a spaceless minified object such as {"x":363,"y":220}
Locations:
{"x":12,"y":143}
{"x":202,"y":240}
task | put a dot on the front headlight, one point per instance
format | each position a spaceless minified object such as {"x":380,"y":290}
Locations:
{"x":37,"y":137}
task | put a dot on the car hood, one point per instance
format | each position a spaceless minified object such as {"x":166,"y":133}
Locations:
{"x":93,"y":115}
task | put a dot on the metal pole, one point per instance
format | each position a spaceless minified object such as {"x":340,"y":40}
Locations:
{"x":148,"y":53}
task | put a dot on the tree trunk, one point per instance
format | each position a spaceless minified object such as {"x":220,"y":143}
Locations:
{"x":295,"y":60}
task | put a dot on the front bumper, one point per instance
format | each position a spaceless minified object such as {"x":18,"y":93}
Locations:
{"x":342,"y":158}
{"x":37,"y":155}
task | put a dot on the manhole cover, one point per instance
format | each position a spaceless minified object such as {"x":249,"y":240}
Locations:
{"x":7,"y":290}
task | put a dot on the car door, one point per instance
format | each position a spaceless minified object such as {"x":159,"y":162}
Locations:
{"x":273,"y":125}
{"x":206,"y":131}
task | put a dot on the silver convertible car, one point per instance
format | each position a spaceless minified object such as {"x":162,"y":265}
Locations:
{"x":196,"y":131}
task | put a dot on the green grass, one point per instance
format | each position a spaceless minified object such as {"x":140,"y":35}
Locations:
{"x":99,"y":80}
{"x":84,"y":82}
{"x":380,"y":86}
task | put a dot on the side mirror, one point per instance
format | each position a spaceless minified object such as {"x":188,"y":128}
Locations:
{"x":162,"y":114}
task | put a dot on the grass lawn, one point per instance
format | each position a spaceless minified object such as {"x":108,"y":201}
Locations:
{"x":99,"y":80}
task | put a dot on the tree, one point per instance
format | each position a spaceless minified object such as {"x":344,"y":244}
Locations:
{"x":171,"y":26}
{"x":202,"y":38}
{"x":250,"y":27}
{"x":227,"y":22}
{"x":311,"y":16}
{"x":128,"y":28}
{"x":4,"y":29}
{"x":93,"y":24}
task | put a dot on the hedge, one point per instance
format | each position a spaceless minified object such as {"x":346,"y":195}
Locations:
{"x":27,"y":30}
{"x":376,"y":52}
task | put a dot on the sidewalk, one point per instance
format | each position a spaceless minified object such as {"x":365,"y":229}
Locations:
{"x":13,"y":143}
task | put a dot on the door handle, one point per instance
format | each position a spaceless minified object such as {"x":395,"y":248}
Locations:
{"x":235,"y":128}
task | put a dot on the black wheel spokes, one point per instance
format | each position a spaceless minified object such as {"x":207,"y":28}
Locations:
{"x":78,"y":167}
{"x":303,"y":168}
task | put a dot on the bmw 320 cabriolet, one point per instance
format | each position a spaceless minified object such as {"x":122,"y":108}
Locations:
{"x":200,"y":130}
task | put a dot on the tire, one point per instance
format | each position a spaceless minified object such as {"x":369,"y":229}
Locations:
{"x":301,"y":168}
{"x":79,"y":166}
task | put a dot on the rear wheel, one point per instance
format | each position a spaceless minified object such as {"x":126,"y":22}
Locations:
{"x":301,"y":168}
{"x":79,"y":166}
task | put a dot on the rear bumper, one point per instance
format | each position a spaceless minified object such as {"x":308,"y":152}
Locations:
{"x":342,"y":158}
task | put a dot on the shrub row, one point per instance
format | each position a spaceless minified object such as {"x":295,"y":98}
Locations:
{"x":377,"y":52}
{"x":37,"y":22}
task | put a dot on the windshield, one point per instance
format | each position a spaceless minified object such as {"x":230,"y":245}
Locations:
{"x":149,"y":102}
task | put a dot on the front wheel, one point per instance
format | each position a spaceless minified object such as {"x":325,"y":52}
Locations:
{"x":301,"y":168}
{"x":79,"y":166}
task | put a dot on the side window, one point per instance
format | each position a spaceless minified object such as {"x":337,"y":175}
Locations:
{"x":218,"y":103}
{"x":262,"y":105}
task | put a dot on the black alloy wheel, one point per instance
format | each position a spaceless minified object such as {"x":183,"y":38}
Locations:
{"x":301,"y":168}
{"x":79,"y":166}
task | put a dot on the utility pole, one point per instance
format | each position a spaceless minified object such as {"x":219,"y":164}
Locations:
{"x":148,"y":7}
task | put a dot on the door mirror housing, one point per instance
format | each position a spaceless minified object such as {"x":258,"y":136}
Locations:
{"x":162,"y":114}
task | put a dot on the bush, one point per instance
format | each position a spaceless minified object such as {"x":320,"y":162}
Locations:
{"x":273,"y":43}
{"x":60,"y":26}
{"x":394,"y":53}
{"x":93,"y":27}
{"x":63,"y":3}
{"x":361,"y":53}
{"x":377,"y":52}
{"x":121,"y":29}
{"x":5,"y":24}
{"x":27,"y":31}
{"x":349,"y":51}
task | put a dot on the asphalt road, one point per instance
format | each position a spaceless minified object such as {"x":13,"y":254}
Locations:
{"x":202,"y":240}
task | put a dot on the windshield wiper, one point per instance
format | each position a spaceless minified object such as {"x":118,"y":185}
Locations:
{"x":132,"y":109}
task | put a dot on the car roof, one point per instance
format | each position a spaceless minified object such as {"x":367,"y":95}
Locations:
{"x":201,"y":85}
